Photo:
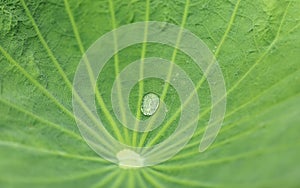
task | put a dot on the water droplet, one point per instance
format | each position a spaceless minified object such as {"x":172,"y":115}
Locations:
{"x":150,"y":104}
{"x":129,"y":159}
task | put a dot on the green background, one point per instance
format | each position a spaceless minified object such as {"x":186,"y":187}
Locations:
{"x":257,"y":45}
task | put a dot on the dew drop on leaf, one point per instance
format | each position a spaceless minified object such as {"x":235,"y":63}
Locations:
{"x":150,"y":104}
